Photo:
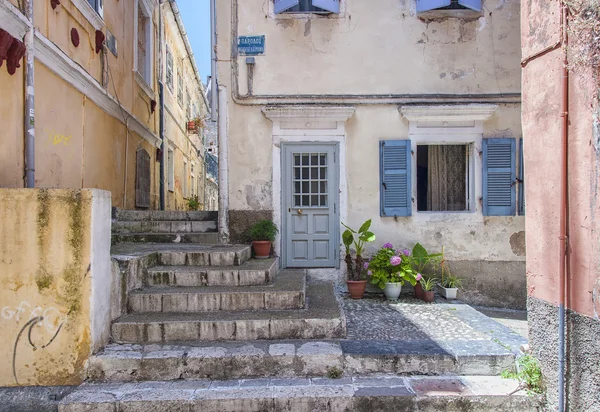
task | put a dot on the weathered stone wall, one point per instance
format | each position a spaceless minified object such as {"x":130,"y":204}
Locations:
{"x":582,"y":355}
{"x":55,"y":283}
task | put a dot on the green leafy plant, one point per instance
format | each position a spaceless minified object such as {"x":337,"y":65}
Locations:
{"x":391,"y":266}
{"x":529,"y":375}
{"x":421,"y":258}
{"x":334,"y":373}
{"x":358,"y":239}
{"x":428,"y":283}
{"x":452,"y":281}
{"x":193,"y":203}
{"x":263,"y":230}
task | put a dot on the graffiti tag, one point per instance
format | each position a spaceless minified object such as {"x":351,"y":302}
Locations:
{"x":51,"y":316}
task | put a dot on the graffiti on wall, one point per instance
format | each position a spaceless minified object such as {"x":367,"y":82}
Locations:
{"x":42,"y":325}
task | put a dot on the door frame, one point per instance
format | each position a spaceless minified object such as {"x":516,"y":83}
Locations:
{"x":311,"y":124}
{"x":335,"y":182}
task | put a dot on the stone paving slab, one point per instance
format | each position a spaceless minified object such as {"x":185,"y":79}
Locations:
{"x":380,"y":393}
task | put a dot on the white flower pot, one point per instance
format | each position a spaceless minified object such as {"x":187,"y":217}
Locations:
{"x":448,"y":293}
{"x":392,"y":290}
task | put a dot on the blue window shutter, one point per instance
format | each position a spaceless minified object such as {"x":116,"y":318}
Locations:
{"x":283,"y":5}
{"x":329,"y":5}
{"x":521,"y":180}
{"x":499,"y":177}
{"x":471,"y":4}
{"x":426,"y":5}
{"x":395,"y":177}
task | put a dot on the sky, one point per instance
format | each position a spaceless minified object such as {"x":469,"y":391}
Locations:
{"x":196,"y":19}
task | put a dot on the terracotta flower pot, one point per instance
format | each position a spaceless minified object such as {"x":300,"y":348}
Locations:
{"x":419,"y":292}
{"x":428,"y":296}
{"x":262,"y":249}
{"x":356,"y":288}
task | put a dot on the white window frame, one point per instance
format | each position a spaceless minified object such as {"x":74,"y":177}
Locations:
{"x":170,"y":86}
{"x":146,"y":79}
{"x":451,"y":136}
{"x":185,"y":179}
{"x":95,"y":17}
{"x":284,"y":16}
{"x":192,"y":179}
{"x":171,"y":169}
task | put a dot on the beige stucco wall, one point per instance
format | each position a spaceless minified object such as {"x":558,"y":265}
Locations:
{"x":187,"y":146}
{"x":54,"y":263}
{"x":373,"y":48}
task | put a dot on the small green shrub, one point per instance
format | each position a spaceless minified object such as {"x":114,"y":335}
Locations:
{"x":263,"y":230}
{"x":193,"y":203}
{"x":334,"y":373}
{"x":428,"y":283}
{"x":529,"y":375}
{"x":452,"y":281}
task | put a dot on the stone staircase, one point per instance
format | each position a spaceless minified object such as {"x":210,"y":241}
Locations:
{"x":165,"y":227}
{"x":207,"y":328}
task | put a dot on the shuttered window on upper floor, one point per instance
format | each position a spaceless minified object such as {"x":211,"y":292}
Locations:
{"x":169,"y":73}
{"x":306,"y":6}
{"x":98,"y":6}
{"x":428,"y":5}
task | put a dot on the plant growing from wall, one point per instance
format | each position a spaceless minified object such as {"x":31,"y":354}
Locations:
{"x":358,"y":239}
{"x":193,"y":202}
{"x":529,"y":375}
{"x":583,"y":28}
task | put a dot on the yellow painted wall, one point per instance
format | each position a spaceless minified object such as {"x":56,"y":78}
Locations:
{"x":51,"y":280}
{"x":77,"y":143}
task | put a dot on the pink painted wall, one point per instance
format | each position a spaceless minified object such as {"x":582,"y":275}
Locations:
{"x":541,"y":85}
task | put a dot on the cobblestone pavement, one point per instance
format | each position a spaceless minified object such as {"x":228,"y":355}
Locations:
{"x":446,"y":324}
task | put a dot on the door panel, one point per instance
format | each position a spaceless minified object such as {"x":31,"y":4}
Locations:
{"x":309,"y":178}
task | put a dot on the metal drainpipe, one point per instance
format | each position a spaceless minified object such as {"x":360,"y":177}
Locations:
{"x":213,"y":60}
{"x":29,"y":121}
{"x":223,"y":169}
{"x":564,"y":229}
{"x":161,"y":101}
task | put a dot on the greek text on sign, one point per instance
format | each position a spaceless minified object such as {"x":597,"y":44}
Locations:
{"x":251,"y":45}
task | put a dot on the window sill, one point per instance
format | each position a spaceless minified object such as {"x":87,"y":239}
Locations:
{"x":142,"y":83}
{"x":89,"y":13}
{"x":455,"y":13}
{"x":306,"y":16}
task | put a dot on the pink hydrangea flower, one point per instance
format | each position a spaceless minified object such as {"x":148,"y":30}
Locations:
{"x":388,"y":246}
{"x":406,"y":252}
{"x":369,"y":273}
{"x":419,"y":276}
{"x":366,"y":265}
{"x":395,"y":260}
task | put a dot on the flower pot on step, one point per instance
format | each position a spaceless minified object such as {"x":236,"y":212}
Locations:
{"x":392,"y":290}
{"x":262,"y":249}
{"x":356,"y":288}
{"x":419,"y":291}
{"x":428,"y":296}
{"x":448,"y":293}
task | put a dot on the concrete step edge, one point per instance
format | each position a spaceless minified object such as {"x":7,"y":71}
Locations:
{"x":361,"y":394}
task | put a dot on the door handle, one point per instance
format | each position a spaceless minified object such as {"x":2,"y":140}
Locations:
{"x":299,"y":211}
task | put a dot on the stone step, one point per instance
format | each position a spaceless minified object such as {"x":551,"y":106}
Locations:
{"x":129,"y":215}
{"x":221,"y":255}
{"x":163,"y":226}
{"x":321,"y":319}
{"x":207,"y":238}
{"x":287,"y":359}
{"x":285,"y":292}
{"x":252,"y":273}
{"x":384,"y":393}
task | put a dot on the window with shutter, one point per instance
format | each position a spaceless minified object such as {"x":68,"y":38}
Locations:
{"x":284,"y":5}
{"x":142,"y":180}
{"x":306,"y":6}
{"x":169,"y":69}
{"x":332,"y":6}
{"x":499,"y":177}
{"x":427,"y":5}
{"x":395,"y":177}
{"x":521,"y":180}
{"x":471,"y":4}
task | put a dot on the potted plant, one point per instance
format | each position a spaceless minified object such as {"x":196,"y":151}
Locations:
{"x":390,"y":269}
{"x":428,"y":284}
{"x":356,"y":267}
{"x":450,"y":283}
{"x":262,"y":235}
{"x":421,"y":259}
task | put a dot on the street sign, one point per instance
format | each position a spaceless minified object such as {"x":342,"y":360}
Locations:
{"x":251,"y":45}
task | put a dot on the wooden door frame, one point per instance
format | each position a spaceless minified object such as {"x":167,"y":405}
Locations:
{"x":335,"y":182}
